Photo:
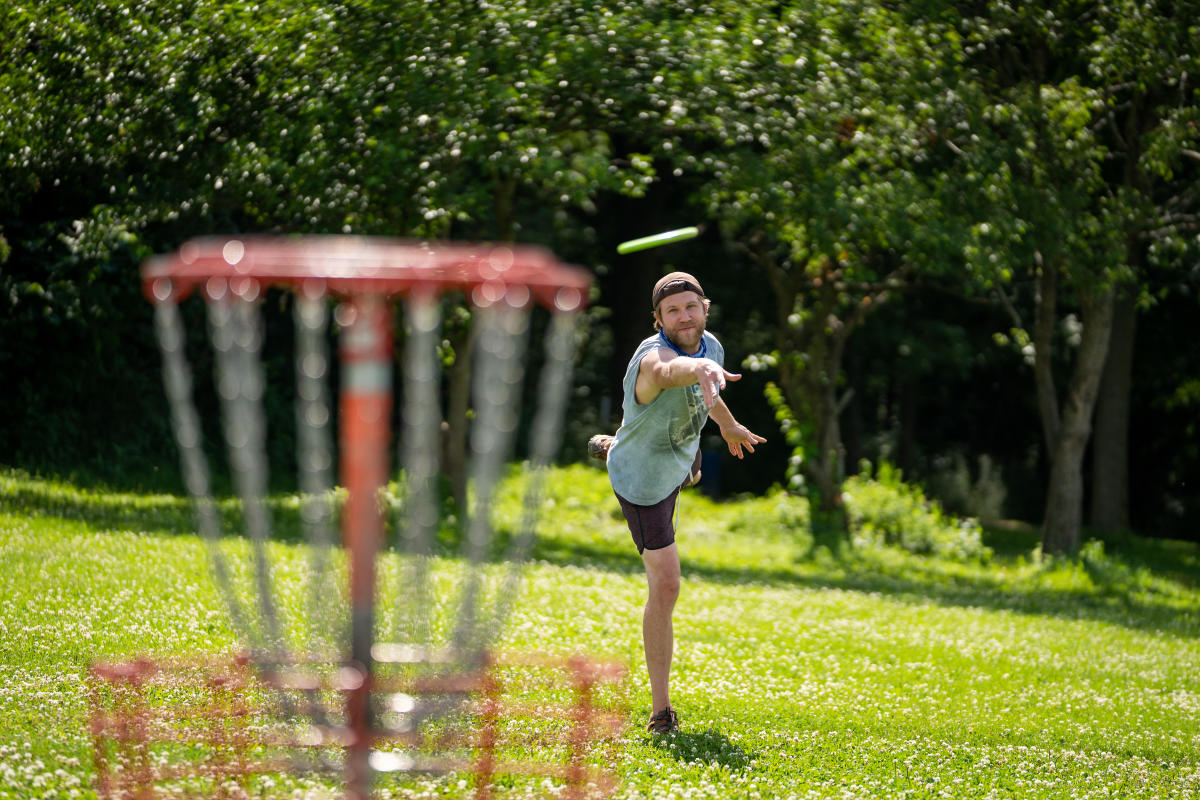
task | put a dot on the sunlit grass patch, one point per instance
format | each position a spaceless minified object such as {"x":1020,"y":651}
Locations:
{"x":876,"y":673}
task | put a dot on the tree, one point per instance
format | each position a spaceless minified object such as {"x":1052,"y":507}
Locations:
{"x":124,"y":128}
{"x":838,"y":130}
{"x":129,"y":126}
{"x":1062,"y":222}
{"x":508,"y":108}
{"x":1150,"y":125}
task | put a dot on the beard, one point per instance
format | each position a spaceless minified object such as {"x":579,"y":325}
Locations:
{"x":687,"y":337}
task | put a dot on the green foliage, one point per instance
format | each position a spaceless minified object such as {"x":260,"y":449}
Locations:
{"x":797,"y":433}
{"x":845,"y":150}
{"x":884,"y":509}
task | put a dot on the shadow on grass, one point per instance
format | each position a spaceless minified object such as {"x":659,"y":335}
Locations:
{"x":145,"y":513}
{"x":99,"y":509}
{"x":1120,"y":596}
{"x":622,"y":559}
{"x":1138,"y":583}
{"x":708,"y":747}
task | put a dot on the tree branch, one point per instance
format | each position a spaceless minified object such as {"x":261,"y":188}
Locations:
{"x":1186,"y":226}
{"x":874,"y":295}
{"x":1185,"y":198}
{"x":844,"y":400}
{"x":1176,"y":219}
{"x":1116,"y":131}
{"x":1007,"y":303}
{"x":1184,"y":222}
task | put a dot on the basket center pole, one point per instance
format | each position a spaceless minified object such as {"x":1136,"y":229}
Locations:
{"x":366,"y":401}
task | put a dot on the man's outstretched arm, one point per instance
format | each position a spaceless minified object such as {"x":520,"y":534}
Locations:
{"x":736,"y":435}
{"x":662,"y":369}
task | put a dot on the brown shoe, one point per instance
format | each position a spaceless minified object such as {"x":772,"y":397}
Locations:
{"x":665,"y":721}
{"x":599,"y":445}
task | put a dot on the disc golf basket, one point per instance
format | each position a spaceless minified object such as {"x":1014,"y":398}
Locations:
{"x":324,"y":689}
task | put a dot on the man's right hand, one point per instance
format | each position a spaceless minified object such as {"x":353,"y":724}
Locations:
{"x":712,"y":378}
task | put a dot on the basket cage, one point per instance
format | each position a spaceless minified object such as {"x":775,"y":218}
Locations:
{"x":356,"y":336}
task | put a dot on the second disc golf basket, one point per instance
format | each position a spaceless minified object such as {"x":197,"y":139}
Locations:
{"x":390,"y":667}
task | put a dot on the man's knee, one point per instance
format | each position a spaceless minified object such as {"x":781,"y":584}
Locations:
{"x":666,"y":592}
{"x":664,"y":584}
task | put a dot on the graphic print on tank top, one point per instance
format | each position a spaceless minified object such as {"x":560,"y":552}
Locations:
{"x":688,"y":428}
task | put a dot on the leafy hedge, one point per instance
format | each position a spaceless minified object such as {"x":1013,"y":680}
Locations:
{"x":884,"y":510}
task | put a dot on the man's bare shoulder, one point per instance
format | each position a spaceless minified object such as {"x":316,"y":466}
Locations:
{"x":649,"y":381}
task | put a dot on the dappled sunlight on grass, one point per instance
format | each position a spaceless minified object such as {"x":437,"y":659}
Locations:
{"x":763,"y":540}
{"x":873,"y":673}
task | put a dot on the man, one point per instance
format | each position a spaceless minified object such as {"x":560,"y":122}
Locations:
{"x":672,"y":386}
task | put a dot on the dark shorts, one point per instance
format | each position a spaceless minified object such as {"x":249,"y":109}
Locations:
{"x":653,"y":527}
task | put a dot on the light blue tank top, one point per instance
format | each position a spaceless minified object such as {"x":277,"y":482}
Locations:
{"x":657,"y":442}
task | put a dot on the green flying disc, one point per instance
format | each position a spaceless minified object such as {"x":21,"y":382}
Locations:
{"x":666,"y":237}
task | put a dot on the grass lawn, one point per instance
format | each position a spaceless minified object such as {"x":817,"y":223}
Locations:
{"x":879,"y":674}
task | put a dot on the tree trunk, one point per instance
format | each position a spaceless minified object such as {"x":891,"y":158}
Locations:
{"x":1061,"y":529}
{"x":853,"y":423}
{"x":458,"y":386}
{"x":1110,"y":447}
{"x":505,"y":191}
{"x":825,"y":470}
{"x":825,"y":467}
{"x":1045,"y":315}
{"x":811,"y":341}
{"x":458,"y":404}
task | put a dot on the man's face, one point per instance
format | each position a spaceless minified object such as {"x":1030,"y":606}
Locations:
{"x":682,"y":316}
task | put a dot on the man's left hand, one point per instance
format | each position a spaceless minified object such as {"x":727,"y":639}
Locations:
{"x":738,"y":436}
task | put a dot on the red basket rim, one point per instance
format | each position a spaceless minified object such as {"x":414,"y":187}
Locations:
{"x":357,"y":265}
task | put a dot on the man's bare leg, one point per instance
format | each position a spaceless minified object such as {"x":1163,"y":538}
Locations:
{"x":662,"y":573}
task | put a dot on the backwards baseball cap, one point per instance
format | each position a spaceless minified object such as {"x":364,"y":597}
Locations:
{"x":674,"y":283}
